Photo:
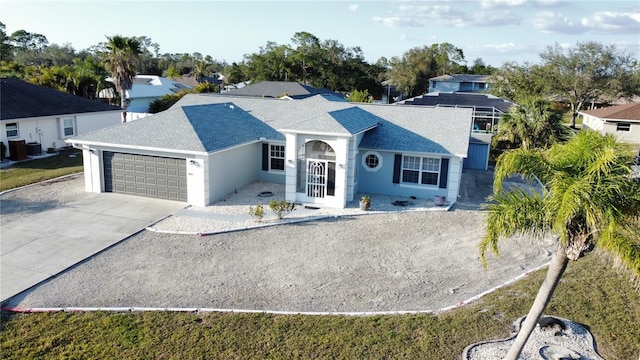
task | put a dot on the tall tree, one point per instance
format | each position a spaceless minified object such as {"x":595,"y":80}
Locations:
{"x":449,"y":59}
{"x":6,"y":49}
{"x":120,"y":60}
{"x":516,"y":82}
{"x":306,"y":53}
{"x":590,"y":200}
{"x":589,"y":72}
{"x":532,"y":124}
{"x":411,"y":73}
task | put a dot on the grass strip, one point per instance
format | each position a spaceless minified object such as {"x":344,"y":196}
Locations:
{"x":67,"y":161}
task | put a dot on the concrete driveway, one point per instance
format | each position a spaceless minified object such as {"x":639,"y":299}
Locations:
{"x":40,"y":244}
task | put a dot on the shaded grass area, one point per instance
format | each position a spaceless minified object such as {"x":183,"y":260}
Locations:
{"x":590,"y":293}
{"x":32,"y":171}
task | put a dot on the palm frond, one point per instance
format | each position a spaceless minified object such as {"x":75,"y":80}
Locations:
{"x":530,"y":164}
{"x":622,"y":240}
{"x":511,"y":213}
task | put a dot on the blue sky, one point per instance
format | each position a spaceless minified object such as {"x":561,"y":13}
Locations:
{"x":495,"y":30}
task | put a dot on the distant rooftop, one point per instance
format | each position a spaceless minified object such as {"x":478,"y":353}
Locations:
{"x":19,"y":99}
{"x":618,"y":112}
{"x":277,"y":89}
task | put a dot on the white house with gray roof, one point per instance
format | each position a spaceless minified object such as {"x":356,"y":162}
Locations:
{"x":324,"y":152}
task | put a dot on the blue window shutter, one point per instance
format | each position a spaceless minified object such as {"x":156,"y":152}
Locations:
{"x":397,"y":165}
{"x":444,"y":173}
{"x":265,"y":157}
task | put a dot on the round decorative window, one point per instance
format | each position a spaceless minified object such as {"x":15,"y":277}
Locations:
{"x":371,"y":161}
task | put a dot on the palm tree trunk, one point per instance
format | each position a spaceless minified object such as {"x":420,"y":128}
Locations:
{"x":558,"y":264}
{"x":123,"y":104}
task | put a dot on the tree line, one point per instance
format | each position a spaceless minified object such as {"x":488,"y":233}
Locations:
{"x":307,"y":59}
{"x":582,"y":76}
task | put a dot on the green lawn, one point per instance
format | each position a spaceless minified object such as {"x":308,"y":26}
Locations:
{"x":590,"y":293}
{"x":67,"y":161}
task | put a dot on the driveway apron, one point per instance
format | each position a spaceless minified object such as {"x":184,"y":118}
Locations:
{"x":42,"y":244}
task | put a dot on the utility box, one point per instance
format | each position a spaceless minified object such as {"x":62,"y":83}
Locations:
{"x":34,"y":148}
{"x":17,"y":150}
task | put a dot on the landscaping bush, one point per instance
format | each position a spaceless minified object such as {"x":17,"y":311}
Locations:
{"x":281,"y":208}
{"x":257,"y":212}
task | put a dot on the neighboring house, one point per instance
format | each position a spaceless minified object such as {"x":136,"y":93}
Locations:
{"x":487,"y":111}
{"x":390,"y":93}
{"x":36,"y":118}
{"x":190,"y":80}
{"x":623,"y":121}
{"x":324,"y":152}
{"x":145,"y":89}
{"x":459,"y":83}
{"x":283,"y":89}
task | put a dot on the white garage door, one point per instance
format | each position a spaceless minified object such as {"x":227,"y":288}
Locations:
{"x":152,"y":176}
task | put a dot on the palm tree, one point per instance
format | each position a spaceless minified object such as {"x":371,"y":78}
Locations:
{"x":172,"y":73}
{"x":590,"y":200}
{"x":532,"y":124}
{"x":201,"y":69}
{"x":123,"y":52}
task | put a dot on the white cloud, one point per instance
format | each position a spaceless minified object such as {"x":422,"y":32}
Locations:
{"x":551,"y":22}
{"x":426,"y":15}
{"x":488,"y":18}
{"x":600,"y":22}
{"x":606,"y":21}
{"x":354,"y":7}
{"x":489,"y":4}
{"x":395,"y":22}
{"x":501,"y":48}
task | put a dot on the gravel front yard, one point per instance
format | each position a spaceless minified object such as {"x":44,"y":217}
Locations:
{"x":369,"y":263}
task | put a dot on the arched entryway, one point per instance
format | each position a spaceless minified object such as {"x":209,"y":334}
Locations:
{"x":316,"y":170}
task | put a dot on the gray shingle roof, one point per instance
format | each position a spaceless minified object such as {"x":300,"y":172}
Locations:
{"x":411,"y":128}
{"x":19,"y":99}
{"x":206,"y":123}
{"x":276,"y":89}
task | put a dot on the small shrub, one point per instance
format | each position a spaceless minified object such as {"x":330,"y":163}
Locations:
{"x":365,"y":202}
{"x":281,"y":208}
{"x":257,"y":212}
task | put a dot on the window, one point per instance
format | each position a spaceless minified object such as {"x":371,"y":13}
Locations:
{"x":276,"y":157}
{"x":372,"y":161}
{"x":68,"y":128}
{"x":420,"y":170}
{"x":12,"y":130}
{"x":623,"y":127}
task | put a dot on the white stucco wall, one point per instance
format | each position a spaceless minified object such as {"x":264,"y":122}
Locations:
{"x":49,"y":131}
{"x":611,"y":127}
{"x":453,"y":180}
{"x":591,"y":122}
{"x":290,"y":166}
{"x":197,"y":186}
{"x":232,"y":169}
{"x":631,"y":136}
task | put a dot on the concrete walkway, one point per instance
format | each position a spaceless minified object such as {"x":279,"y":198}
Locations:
{"x":41,"y":244}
